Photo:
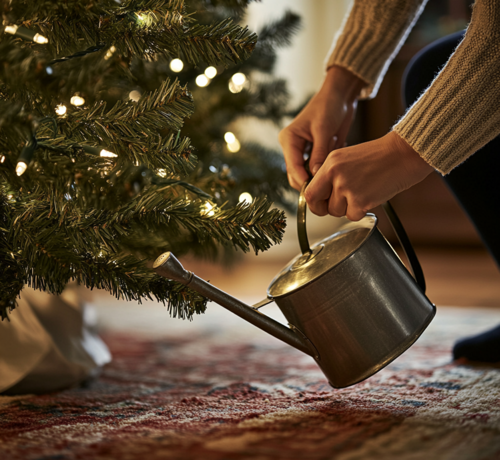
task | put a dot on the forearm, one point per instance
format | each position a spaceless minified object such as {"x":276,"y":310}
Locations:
{"x":371,"y":36}
{"x":460,"y":111}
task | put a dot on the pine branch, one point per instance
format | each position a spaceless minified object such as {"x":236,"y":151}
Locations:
{"x":132,"y":130}
{"x":147,"y":29}
{"x":274,"y":35}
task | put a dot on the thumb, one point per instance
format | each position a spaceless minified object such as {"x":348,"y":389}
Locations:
{"x":320,"y":150}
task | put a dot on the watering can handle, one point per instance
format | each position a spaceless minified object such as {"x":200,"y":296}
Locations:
{"x":415,"y":267}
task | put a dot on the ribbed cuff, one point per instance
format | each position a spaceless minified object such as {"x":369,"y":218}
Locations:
{"x":460,"y":112}
{"x":370,"y":38}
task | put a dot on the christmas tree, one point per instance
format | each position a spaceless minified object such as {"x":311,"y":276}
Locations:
{"x":115,"y":146}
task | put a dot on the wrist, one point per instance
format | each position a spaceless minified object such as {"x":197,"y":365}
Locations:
{"x":342,"y":81}
{"x":410,"y":153}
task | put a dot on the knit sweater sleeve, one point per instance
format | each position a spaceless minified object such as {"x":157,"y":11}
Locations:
{"x":372,"y":34}
{"x":460,"y":111}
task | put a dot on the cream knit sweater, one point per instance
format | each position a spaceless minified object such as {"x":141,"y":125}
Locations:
{"x":460,"y":111}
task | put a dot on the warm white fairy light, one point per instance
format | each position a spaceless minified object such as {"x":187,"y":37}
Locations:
{"x":77,"y":100}
{"x":202,"y":80}
{"x":229,"y":137}
{"x":110,"y":52}
{"x":161,"y":172}
{"x":26,"y":34}
{"x":245,"y":197}
{"x":238,"y":82}
{"x":40,"y":39}
{"x":11,"y":29}
{"x":107,"y":154}
{"x":61,"y":109}
{"x":134,"y":95}
{"x":239,"y":79}
{"x":176,"y":65}
{"x":234,"y":146}
{"x":21,"y":168}
{"x":211,"y":72}
{"x":209,"y":209}
{"x":2,"y":158}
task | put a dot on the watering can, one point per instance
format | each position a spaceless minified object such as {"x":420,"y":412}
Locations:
{"x":349,"y":301}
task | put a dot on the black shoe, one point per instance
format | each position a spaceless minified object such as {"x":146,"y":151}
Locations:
{"x":483,"y":347}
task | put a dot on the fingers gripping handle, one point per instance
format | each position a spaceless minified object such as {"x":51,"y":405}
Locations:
{"x":415,"y":267}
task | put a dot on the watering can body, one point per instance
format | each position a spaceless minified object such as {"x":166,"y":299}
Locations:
{"x":349,"y":300}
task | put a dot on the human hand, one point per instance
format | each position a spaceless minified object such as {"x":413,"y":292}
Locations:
{"x":355,"y":179}
{"x":324,"y":122}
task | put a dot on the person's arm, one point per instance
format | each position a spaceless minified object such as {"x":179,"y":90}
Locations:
{"x":457,"y":115}
{"x":371,"y":35}
{"x":460,"y":111}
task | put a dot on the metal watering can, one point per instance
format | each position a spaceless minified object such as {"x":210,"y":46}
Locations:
{"x":350,"y":302}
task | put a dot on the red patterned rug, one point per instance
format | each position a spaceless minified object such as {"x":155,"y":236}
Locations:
{"x":207,"y":396}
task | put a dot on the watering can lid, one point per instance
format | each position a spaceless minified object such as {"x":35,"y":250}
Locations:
{"x":324,"y":255}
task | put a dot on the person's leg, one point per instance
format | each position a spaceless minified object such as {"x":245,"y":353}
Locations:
{"x":474,"y":183}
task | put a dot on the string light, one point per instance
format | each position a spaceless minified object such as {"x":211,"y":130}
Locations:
{"x":2,"y":158}
{"x":233,"y":144}
{"x":98,"y":151}
{"x":202,"y":80}
{"x":26,"y":156}
{"x":238,"y":82}
{"x":40,"y":39}
{"x":229,"y":137}
{"x":26,"y":34}
{"x":176,"y":65}
{"x":144,"y":19}
{"x":134,"y":95}
{"x":110,"y":52}
{"x":209,"y":209}
{"x":21,"y":168}
{"x":107,"y":154}
{"x":245,"y":197}
{"x":61,"y":109}
{"x":77,"y":100}
{"x":211,"y":72}
{"x":161,"y":172}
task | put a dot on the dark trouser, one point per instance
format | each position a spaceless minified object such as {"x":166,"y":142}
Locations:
{"x":476,"y":182}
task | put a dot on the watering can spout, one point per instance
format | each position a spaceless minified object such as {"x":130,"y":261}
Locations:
{"x":169,"y":267}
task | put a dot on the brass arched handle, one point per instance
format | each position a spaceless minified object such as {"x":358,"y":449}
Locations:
{"x":301,"y":221}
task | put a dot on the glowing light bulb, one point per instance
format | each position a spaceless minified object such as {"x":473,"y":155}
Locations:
{"x":40,"y":39}
{"x":176,"y":65}
{"x":209,"y":209}
{"x":21,"y":168}
{"x":245,"y":197}
{"x":229,"y":137}
{"x":161,"y":172}
{"x":11,"y":29}
{"x":61,"y":109}
{"x":234,"y":146}
{"x":202,"y":80}
{"x":134,"y":95}
{"x":238,"y":82}
{"x":107,"y":154}
{"x":110,"y":52}
{"x":239,"y":79}
{"x":2,"y":158}
{"x":77,"y":100}
{"x":211,"y":72}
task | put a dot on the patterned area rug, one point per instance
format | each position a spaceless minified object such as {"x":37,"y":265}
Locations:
{"x":209,"y":395}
